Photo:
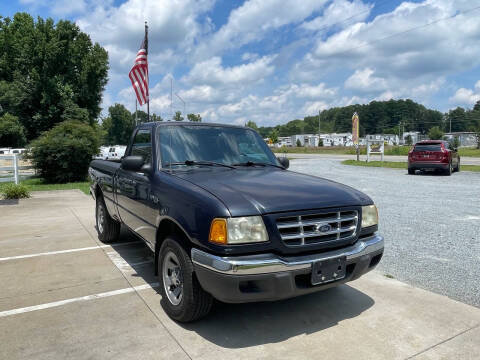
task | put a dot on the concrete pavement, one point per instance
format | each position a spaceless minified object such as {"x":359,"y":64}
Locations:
{"x":65,"y":295}
{"x":397,"y":158}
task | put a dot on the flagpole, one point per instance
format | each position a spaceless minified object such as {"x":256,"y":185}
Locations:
{"x":148,"y":75}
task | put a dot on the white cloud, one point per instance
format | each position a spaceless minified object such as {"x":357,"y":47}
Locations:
{"x":465,"y":96}
{"x":254,"y":18}
{"x":339,"y":14}
{"x":442,"y":48}
{"x":212,"y":72}
{"x":364,"y":81}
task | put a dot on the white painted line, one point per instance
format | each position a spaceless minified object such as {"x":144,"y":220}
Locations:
{"x":67,"y":251}
{"x":77,"y":299}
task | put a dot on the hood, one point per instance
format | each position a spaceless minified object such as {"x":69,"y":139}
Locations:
{"x":253,"y":191}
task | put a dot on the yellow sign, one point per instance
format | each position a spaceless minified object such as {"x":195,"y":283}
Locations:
{"x":355,"y":126}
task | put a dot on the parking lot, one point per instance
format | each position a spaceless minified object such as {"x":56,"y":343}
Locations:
{"x":430,"y":222}
{"x":66,"y":295}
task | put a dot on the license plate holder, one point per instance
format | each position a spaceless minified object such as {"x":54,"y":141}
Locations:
{"x":328,"y":270}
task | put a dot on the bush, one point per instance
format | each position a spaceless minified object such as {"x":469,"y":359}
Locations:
{"x":12,"y":133}
{"x":14,"y":191}
{"x":63,"y":153}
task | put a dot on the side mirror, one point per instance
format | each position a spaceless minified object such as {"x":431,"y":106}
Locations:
{"x":284,"y":162}
{"x":132,"y":163}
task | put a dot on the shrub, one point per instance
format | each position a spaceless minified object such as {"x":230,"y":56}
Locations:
{"x":12,"y":133}
{"x":63,"y":153}
{"x":15,"y":191}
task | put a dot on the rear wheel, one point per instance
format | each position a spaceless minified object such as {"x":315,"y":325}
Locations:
{"x":411,"y":171}
{"x":107,"y":228}
{"x":449,"y":171}
{"x":183,"y":299}
{"x":457,"y":169}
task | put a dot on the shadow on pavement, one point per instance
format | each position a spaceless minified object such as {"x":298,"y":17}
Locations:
{"x":245,"y":325}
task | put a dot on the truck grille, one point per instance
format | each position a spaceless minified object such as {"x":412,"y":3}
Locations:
{"x":317,"y":228}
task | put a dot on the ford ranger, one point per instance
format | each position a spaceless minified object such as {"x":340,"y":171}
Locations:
{"x":225,"y":219}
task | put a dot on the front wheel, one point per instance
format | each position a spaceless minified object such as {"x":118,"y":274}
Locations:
{"x":183,"y":299}
{"x":457,"y":169}
{"x":107,"y":228}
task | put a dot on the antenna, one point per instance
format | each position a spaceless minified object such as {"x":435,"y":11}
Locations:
{"x":178,"y":96}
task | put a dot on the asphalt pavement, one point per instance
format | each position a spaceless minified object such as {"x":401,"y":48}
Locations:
{"x":65,"y":295}
{"x":431,"y":223}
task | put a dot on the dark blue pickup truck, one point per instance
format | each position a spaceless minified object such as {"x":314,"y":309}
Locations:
{"x":227,"y":220}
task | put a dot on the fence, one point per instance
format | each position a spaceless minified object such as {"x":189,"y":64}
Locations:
{"x":15,"y":168}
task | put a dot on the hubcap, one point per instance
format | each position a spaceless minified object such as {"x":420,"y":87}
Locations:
{"x":100,"y":217}
{"x":172,"y":278}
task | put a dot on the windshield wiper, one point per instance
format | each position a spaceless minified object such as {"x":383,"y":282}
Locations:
{"x":253,"y":163}
{"x":194,"y":162}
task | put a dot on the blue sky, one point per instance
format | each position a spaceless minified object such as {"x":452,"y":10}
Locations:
{"x":272,"y":61}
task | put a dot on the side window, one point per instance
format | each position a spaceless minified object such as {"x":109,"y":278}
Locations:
{"x":142,"y":145}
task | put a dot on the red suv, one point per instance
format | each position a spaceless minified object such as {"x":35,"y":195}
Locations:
{"x":433,"y":155}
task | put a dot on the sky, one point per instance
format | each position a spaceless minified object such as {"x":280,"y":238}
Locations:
{"x":272,"y":61}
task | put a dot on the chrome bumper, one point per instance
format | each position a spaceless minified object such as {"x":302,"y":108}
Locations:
{"x":271,"y":263}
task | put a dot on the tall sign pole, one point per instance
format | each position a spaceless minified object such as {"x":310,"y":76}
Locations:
{"x":355,"y":127}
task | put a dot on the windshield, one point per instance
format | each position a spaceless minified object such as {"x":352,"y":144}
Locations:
{"x":220,"y":144}
{"x":428,"y":147}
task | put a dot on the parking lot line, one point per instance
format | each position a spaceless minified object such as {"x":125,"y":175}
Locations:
{"x":66,"y":251}
{"x":77,"y":299}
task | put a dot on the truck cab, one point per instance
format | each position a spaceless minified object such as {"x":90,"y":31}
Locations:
{"x":226,"y":219}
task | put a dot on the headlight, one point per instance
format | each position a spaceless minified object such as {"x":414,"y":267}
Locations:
{"x":239,"y":230}
{"x":369,"y":216}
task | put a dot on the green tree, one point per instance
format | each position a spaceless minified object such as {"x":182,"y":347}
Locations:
{"x":178,"y":116}
{"x":454,"y":142}
{"x":143,"y":117}
{"x":251,"y":124}
{"x":274,"y":137}
{"x":12,"y":133}
{"x":49,"y":72}
{"x":435,"y":133}
{"x":299,"y":143}
{"x":118,"y":126}
{"x":194,"y":118}
{"x":63,"y":153}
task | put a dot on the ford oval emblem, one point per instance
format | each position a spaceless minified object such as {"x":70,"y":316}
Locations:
{"x":324,"y":228}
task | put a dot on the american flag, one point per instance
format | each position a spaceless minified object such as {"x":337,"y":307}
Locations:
{"x":139,"y":73}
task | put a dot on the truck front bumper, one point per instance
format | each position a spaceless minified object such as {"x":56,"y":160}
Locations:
{"x":270,"y":277}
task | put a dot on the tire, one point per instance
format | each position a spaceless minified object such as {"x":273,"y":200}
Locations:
{"x":457,"y":169}
{"x":107,"y":228}
{"x":411,"y":171}
{"x":449,"y":171}
{"x":191,"y":302}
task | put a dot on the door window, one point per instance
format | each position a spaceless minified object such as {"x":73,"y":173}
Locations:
{"x":142,"y":145}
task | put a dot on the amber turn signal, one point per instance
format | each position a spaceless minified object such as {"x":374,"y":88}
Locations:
{"x":218,"y":232}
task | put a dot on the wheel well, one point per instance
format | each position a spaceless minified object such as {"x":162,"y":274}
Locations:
{"x":168,"y":228}
{"x":98,"y":191}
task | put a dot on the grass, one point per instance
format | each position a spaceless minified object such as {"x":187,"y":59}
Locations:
{"x":343,"y":150}
{"x":387,"y":164}
{"x":400,"y":165}
{"x":39,"y":184}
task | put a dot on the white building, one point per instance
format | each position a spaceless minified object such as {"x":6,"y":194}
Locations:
{"x":337,"y":139}
{"x":390,"y":139}
{"x":466,"y":139}
{"x":415,"y":136}
{"x":284,"y":141}
{"x":304,"y":139}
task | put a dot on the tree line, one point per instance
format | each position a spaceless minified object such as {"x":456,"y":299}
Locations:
{"x":380,"y":117}
{"x":118,"y":126}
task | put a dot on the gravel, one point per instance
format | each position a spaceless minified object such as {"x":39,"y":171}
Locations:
{"x":431,"y":224}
